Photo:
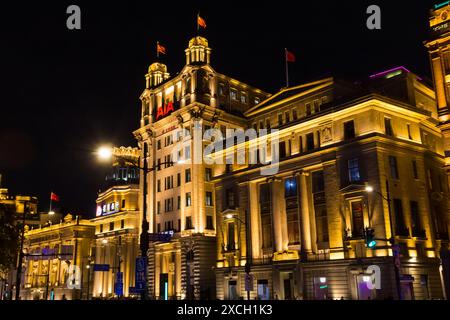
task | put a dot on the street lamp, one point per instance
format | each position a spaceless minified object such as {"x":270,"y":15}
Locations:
{"x":106,"y":153}
{"x":230,"y":216}
{"x":395,"y":253}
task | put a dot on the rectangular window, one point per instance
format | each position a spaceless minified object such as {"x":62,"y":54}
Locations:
{"x":188,"y":199}
{"x":208,"y":174}
{"x":316,"y":106}
{"x":408,"y":127}
{"x":321,"y":223}
{"x":158,"y":165}
{"x":287,"y":116}
{"x":353,"y":170}
{"x":158,"y":145}
{"x":111,"y":226}
{"x":209,"y":223}
{"x":179,"y":203}
{"x":178,"y":179}
{"x":229,"y":198}
{"x":399,"y":219}
{"x":416,"y":226}
{"x":231,"y":240}
{"x":158,"y":228}
{"x":122,"y":224}
{"x":209,"y":198}
{"x":187,"y":175}
{"x":266,"y":216}
{"x":414,"y":169}
{"x":123,"y":203}
{"x":243,"y":97}
{"x":233,"y":94}
{"x":101,"y":228}
{"x":179,"y":225}
{"x":187,"y":153}
{"x":393,"y":167}
{"x":282,"y":149}
{"x":388,"y":126}
{"x":290,"y":187}
{"x":318,"y":184}
{"x":349,"y":130}
{"x":159,"y":207}
{"x":280,"y":119}
{"x":294,"y":114}
{"x":357,"y":219}
{"x":188,"y":224}
{"x":309,"y":141}
{"x":308,"y":108}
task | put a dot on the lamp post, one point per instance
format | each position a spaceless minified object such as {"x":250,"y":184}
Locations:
{"x":247,"y":245}
{"x":20,"y":260}
{"x":395,"y":253}
{"x":107,"y":153}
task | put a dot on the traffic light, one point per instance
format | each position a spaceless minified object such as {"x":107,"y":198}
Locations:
{"x":370,"y":238}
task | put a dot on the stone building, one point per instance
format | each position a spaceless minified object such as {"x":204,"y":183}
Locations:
{"x":180,"y":199}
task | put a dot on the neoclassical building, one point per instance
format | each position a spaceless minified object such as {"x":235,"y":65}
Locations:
{"x":180,"y":199}
{"x":117,"y":221}
{"x":302,"y":228}
{"x":51,"y":252}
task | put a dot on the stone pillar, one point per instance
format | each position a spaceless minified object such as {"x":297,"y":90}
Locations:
{"x":305,"y":214}
{"x":255,"y":224}
{"x":279,"y":215}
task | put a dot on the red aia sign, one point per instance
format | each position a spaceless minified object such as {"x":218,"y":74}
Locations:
{"x":164,"y":110}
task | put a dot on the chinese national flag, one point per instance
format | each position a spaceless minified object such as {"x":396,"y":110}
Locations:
{"x":160,"y":48}
{"x":290,"y":57}
{"x":201,"y":22}
{"x":54,"y":197}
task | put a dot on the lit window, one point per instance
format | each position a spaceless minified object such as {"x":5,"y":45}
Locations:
{"x":243,"y":97}
{"x":353,"y":170}
{"x":209,"y":199}
{"x":233,"y":94}
{"x":188,"y":199}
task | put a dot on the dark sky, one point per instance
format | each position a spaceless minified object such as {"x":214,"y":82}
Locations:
{"x":64,"y":92}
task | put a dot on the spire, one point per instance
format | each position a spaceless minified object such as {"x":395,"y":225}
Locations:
{"x":198,"y":51}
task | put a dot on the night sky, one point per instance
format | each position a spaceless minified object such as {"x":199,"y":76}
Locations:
{"x":66,"y":92}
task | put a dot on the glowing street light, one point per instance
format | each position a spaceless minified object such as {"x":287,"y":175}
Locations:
{"x":105,"y":153}
{"x":369,"y":189}
{"x":51,"y":213}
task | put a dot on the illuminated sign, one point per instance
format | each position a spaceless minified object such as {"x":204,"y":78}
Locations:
{"x":165,"y":110}
{"x":106,"y":209}
{"x":440,"y":29}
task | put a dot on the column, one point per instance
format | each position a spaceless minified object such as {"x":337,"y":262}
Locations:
{"x":279,"y":215}
{"x":305,"y":215}
{"x":255,"y":224}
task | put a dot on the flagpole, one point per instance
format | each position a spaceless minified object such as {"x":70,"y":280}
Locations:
{"x":157,"y":50}
{"x":50,"y":210}
{"x":198,"y":27}
{"x":287,"y":70}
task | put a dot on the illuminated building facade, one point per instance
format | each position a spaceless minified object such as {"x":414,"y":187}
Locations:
{"x":302,"y":228}
{"x":117,"y":226}
{"x":180,"y":199}
{"x":50,"y":251}
{"x":438,"y":46}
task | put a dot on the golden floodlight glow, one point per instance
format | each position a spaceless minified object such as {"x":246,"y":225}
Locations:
{"x":51,"y":213}
{"x":229,"y":216}
{"x":369,"y":189}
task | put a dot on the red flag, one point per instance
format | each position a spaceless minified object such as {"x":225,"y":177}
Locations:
{"x":290,"y":57}
{"x":54,"y":197}
{"x":201,"y":22}
{"x":160,"y":48}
